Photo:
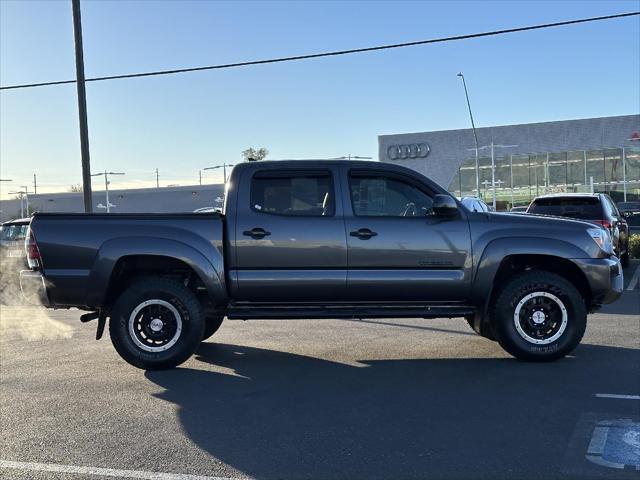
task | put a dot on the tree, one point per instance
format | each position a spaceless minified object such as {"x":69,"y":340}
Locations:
{"x":77,"y":188}
{"x":251,"y":154}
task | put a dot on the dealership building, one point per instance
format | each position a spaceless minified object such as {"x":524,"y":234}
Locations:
{"x":593,"y":154}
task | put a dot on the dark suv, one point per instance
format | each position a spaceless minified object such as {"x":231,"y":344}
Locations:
{"x":631,"y":212}
{"x":597,"y":208}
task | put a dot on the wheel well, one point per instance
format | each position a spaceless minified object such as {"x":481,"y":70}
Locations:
{"x":129,"y":268}
{"x":560,"y":266}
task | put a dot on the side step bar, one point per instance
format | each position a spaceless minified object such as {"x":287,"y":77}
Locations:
{"x":246,"y":312}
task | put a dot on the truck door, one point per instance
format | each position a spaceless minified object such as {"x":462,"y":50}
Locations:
{"x":290,"y":242}
{"x":397,"y":249}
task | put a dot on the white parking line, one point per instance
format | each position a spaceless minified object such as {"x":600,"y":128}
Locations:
{"x":622,"y":397}
{"x":635,"y":279}
{"x":105,"y":472}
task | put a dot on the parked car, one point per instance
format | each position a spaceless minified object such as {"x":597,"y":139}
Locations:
{"x":474,"y":204}
{"x":597,"y":208}
{"x":12,"y":235}
{"x":13,"y":258}
{"x":522,"y":209}
{"x":631,"y":213}
{"x":323,"y":239}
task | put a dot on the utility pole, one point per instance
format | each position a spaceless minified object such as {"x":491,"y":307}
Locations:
{"x":35,"y":185}
{"x":106,"y":185}
{"x":475,"y":136}
{"x":24,"y":198}
{"x":82,"y":107}
{"x":157,"y":179}
{"x":200,"y":174}
{"x":224,"y":169}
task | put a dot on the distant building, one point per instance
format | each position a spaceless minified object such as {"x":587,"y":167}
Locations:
{"x":563,"y":156}
{"x":148,"y":200}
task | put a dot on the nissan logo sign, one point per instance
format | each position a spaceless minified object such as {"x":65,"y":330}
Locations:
{"x":412,"y":150}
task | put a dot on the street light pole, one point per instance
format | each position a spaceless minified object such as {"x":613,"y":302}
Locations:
{"x":82,"y":107}
{"x":475,"y":136}
{"x":224,"y":169}
{"x":106,"y":185}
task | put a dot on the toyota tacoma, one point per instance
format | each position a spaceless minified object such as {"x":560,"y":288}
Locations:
{"x":323,"y":239}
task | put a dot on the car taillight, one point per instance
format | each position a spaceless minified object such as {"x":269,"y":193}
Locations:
{"x":604,"y":223}
{"x":33,"y":252}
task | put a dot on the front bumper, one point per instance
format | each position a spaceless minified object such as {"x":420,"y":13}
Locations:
{"x":605,"y":278}
{"x":33,"y":287}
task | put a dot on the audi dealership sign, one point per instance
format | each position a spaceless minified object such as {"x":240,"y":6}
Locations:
{"x":411,"y":150}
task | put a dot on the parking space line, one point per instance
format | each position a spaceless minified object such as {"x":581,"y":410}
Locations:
{"x":634,"y":279}
{"x":105,"y":472}
{"x":622,"y":397}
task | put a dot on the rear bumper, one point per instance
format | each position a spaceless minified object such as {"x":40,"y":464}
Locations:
{"x":605,"y":278}
{"x":33,"y":287}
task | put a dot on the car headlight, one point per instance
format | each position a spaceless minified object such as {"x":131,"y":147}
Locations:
{"x":602,"y":239}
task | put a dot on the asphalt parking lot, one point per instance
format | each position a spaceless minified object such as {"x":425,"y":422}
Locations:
{"x":388,"y":399}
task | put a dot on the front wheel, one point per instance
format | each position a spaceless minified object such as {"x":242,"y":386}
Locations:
{"x":211,"y":325}
{"x":539,"y":316}
{"x":157,"y":323}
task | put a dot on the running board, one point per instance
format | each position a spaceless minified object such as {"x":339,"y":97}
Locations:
{"x":246,"y":312}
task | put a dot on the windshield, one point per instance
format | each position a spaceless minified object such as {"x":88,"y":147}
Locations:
{"x":13,"y":232}
{"x":587,"y":208}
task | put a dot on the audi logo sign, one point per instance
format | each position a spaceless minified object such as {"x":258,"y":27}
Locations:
{"x":412,"y":150}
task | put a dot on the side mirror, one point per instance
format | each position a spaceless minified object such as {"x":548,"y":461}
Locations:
{"x":444,"y":206}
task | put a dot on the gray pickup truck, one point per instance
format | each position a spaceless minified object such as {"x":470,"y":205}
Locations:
{"x":323,"y":239}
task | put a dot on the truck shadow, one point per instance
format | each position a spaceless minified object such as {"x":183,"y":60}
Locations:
{"x":282,"y":415}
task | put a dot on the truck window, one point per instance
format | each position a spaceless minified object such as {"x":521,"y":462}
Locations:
{"x":299,"y":194}
{"x":387,"y":197}
{"x":587,"y":208}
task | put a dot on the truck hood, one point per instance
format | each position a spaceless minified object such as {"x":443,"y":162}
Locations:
{"x":542,"y":229}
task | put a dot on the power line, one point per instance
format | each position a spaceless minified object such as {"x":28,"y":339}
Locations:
{"x":330,"y":54}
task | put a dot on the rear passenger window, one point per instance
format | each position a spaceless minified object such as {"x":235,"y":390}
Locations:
{"x":293,"y":193}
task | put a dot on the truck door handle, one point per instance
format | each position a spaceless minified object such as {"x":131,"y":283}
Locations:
{"x":363,"y":234}
{"x":256,"y":233}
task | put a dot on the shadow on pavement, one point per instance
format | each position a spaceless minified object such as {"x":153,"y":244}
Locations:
{"x":282,"y":415}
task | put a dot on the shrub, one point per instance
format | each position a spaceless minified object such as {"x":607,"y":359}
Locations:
{"x":634,"y":246}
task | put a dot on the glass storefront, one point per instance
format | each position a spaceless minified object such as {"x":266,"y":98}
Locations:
{"x":520,"y":178}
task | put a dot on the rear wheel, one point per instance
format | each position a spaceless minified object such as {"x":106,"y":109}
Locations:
{"x":539,"y":316}
{"x":157,"y":323}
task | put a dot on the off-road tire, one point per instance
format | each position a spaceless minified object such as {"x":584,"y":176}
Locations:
{"x":211,"y":325}
{"x":186,"y":339}
{"x":488,"y":333}
{"x":624,"y":259}
{"x":538,"y":282}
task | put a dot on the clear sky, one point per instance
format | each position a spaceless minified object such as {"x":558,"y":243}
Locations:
{"x":313,"y":108}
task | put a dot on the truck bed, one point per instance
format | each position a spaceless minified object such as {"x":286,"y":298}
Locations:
{"x":79,"y":250}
